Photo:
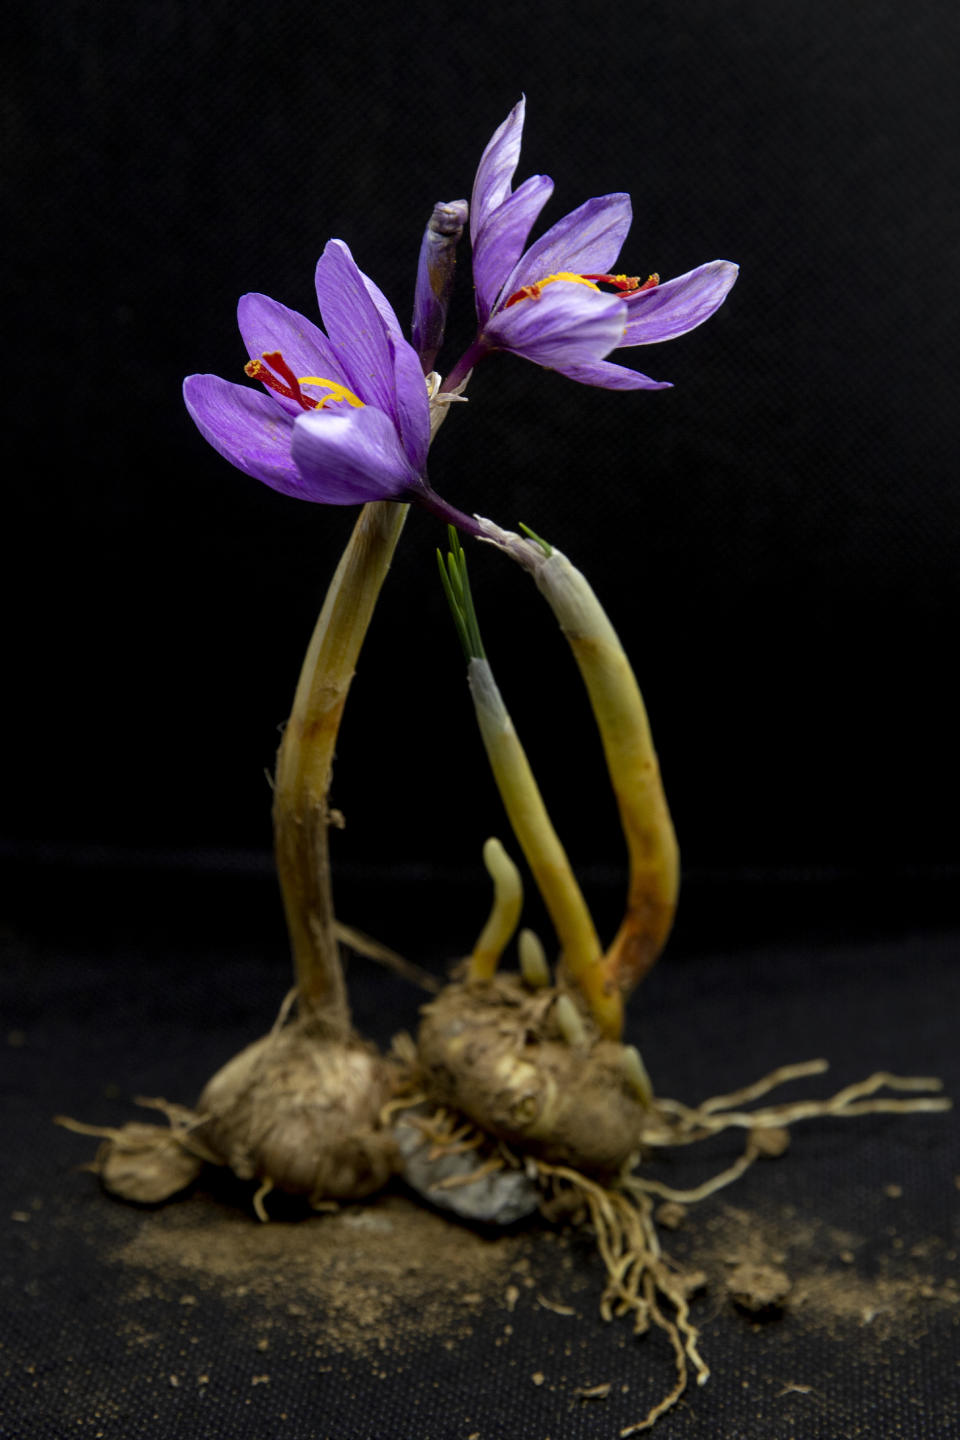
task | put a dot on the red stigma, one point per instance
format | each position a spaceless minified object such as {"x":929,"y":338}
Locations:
{"x":625,"y":284}
{"x":529,"y":292}
{"x":287,"y":385}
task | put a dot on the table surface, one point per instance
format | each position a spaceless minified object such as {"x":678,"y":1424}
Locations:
{"x":388,"y":1319}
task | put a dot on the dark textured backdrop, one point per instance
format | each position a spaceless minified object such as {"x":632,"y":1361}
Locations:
{"x":776,"y":537}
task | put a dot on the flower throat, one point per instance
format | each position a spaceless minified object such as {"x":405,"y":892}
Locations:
{"x":281,"y":380}
{"x":625,"y":285}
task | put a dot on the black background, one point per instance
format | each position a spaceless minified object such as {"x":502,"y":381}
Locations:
{"x":775,"y":539}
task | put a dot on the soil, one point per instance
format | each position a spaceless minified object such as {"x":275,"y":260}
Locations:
{"x":393,"y":1274}
{"x":205,"y":1299}
{"x":389,"y":1268}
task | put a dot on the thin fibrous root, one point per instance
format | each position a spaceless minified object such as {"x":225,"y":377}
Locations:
{"x":684,"y":1124}
{"x":180,"y":1118}
{"x":453,"y":1182}
{"x":765,"y":1084}
{"x":634,"y":1184}
{"x":638,"y":1275}
{"x":260,"y":1210}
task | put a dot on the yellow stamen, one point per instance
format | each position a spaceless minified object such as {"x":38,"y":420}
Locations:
{"x":568,"y":275}
{"x":338,"y":393}
{"x":532,"y":292}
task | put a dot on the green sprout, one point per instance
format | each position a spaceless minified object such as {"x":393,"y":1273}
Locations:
{"x":545,"y":545}
{"x":456,"y":587}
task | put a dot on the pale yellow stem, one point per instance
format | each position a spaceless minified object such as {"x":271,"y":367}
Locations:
{"x":305,"y":760}
{"x":504,"y":914}
{"x":545,"y":855}
{"x":632,"y":764}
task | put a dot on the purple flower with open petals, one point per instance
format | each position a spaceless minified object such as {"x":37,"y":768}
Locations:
{"x":545,"y":302}
{"x":345,"y":416}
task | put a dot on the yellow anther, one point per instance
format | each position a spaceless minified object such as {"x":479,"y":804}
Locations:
{"x":338,"y":392}
{"x":569,"y":275}
{"x":532,"y":292}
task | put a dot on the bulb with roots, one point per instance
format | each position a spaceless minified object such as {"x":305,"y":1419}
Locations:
{"x":527,"y":1065}
{"x":300,"y":1112}
{"x":525,"y":1059}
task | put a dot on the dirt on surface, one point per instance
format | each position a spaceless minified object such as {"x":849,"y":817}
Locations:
{"x":202,"y":1305}
{"x":392,"y":1268}
{"x":388,"y":1268}
{"x":819,"y":1275}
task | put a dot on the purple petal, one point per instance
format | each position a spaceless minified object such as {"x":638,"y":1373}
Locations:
{"x":267,"y":325}
{"x":246,"y":427}
{"x":496,"y":169}
{"x":348,"y":455}
{"x":500,"y":242}
{"x":385,"y":310}
{"x":585,"y":242}
{"x":611,"y":377}
{"x":411,"y":408}
{"x":436,"y":265}
{"x":679,"y":305}
{"x":356,"y":327}
{"x":412,"y":404}
{"x":567,"y":324}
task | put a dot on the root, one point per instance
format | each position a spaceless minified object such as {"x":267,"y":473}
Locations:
{"x":635,"y":1185}
{"x":683,"y":1125}
{"x":638,"y":1276}
{"x":259,"y":1209}
{"x":643,"y":1281}
{"x":488,"y":1167}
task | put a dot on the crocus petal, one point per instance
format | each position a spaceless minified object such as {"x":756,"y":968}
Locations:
{"x":679,"y":305}
{"x":385,"y":310}
{"x":497,"y":166}
{"x":567,"y":323}
{"x":412,"y":402}
{"x":267,"y":325}
{"x":247,"y":427}
{"x":356,"y":328}
{"x":500,"y":242}
{"x":347,"y":456}
{"x":436,"y":265}
{"x":587,"y":241}
{"x":611,"y":377}
{"x":412,"y":408}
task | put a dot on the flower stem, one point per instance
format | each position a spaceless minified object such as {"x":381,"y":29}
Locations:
{"x":464,"y":365}
{"x":632,"y":764}
{"x":628,"y":746}
{"x":301,"y":812}
{"x":545,"y":855}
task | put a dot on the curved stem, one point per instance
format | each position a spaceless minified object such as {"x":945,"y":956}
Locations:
{"x":632,"y":764}
{"x":305,"y":759}
{"x":544,"y":853}
{"x":633,"y":767}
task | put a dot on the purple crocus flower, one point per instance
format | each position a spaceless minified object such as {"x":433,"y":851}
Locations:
{"x":345,"y":416}
{"x":545,"y":303}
